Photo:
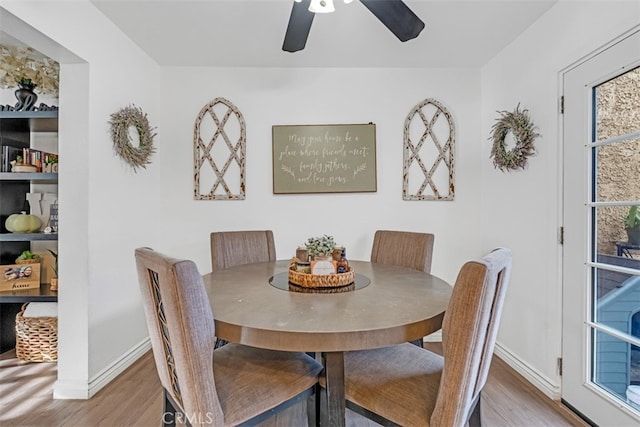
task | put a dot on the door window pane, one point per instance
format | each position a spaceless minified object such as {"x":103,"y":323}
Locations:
{"x":616,"y":193}
{"x":616,"y":367}
{"x":612,"y":236}
{"x":618,"y":171}
{"x":617,"y":104}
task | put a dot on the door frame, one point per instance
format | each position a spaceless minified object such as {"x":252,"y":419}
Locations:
{"x":586,"y":300}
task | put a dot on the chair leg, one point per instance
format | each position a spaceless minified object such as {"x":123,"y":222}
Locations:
{"x":169,"y":411}
{"x":419,"y":342}
{"x":313,"y":407}
{"x":475,"y":419}
{"x":220,"y":342}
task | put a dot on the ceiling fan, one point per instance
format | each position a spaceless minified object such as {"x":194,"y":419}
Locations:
{"x":394,"y":14}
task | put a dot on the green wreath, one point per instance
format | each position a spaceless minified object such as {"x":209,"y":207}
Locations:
{"x":524,"y":133}
{"x":121,"y":121}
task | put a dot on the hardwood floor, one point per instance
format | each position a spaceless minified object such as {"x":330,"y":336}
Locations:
{"x":134,"y":399}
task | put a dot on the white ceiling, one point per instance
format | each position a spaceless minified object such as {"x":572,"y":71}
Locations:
{"x":249,"y":33}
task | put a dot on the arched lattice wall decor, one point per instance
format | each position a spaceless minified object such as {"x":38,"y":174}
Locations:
{"x":219,"y":140}
{"x":429,"y":139}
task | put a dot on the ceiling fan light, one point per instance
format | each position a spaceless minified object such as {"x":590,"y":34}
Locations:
{"x":345,"y":1}
{"x":322,"y":6}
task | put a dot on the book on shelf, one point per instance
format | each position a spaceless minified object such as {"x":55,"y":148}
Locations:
{"x":38,"y":158}
{"x":9,"y":153}
{"x":30,"y":156}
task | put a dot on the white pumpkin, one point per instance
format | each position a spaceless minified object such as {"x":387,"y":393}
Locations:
{"x":23,"y":223}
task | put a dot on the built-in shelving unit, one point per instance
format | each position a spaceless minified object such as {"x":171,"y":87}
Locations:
{"x":16,"y":128}
{"x":11,"y":176}
{"x":42,"y":294}
{"x":27,"y":237}
{"x":36,"y":121}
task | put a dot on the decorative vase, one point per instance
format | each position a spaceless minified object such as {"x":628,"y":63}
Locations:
{"x":26,"y":96}
{"x":54,"y":284}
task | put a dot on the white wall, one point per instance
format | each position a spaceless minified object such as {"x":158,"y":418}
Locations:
{"x":105,"y":209}
{"x":268,"y":97}
{"x":523,"y":209}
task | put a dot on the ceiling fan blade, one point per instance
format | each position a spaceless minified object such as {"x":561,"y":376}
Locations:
{"x":298,"y":28}
{"x":397,"y":17}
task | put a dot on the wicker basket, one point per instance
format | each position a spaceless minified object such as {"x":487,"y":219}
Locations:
{"x":322,"y":281}
{"x":36,"y":338}
{"x":332,"y":290}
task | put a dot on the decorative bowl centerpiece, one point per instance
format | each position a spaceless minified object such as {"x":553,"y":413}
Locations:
{"x":323,"y":268}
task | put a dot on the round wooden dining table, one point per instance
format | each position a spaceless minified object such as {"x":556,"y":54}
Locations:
{"x":389,"y":305}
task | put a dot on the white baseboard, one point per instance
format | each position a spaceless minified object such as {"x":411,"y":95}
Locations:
{"x":540,"y":381}
{"x":82,"y":390}
{"x":535,"y":377}
{"x":70,"y":390}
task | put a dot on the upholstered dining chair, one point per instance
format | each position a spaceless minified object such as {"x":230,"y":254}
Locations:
{"x":404,"y":249}
{"x":410,"y":386}
{"x":231,"y":248}
{"x":232,"y":385}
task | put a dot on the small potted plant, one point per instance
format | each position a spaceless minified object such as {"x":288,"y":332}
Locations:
{"x":320,"y":246}
{"x":27,"y":257}
{"x":320,"y":249}
{"x":54,"y":279}
{"x":25,"y":83}
{"x":50,"y":165}
{"x":632,"y":225}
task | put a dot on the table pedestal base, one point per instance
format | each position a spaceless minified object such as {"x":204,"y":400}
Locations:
{"x":334,"y":377}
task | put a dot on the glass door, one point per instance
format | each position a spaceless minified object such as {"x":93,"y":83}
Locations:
{"x":601,"y":258}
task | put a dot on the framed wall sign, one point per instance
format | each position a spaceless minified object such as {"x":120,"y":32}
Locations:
{"x":324,"y":158}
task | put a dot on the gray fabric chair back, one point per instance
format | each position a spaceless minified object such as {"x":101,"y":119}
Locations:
{"x":403,"y":248}
{"x":231,"y":248}
{"x":181,"y":329}
{"x":469,"y":333}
